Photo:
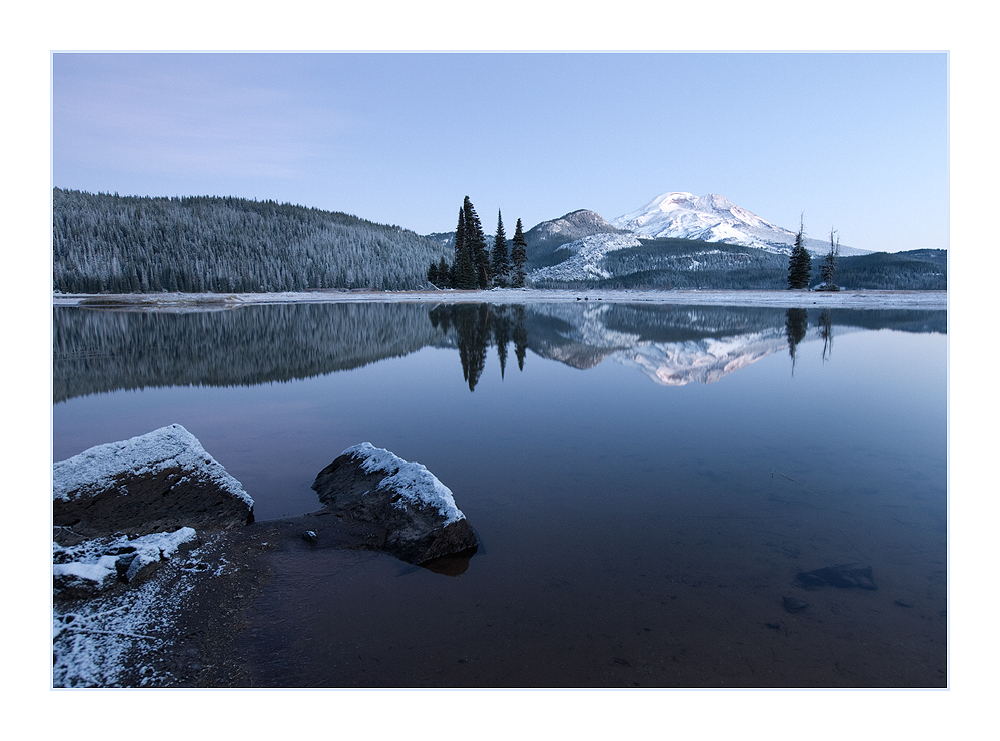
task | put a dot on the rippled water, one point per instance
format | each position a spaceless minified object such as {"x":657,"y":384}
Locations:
{"x":647,"y":483}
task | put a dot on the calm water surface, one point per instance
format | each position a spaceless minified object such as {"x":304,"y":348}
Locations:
{"x":647,"y":483}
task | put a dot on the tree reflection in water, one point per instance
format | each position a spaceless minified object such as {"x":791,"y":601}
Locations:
{"x":476,"y":328}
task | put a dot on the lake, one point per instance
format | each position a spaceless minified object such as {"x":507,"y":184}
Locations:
{"x":666,"y":496}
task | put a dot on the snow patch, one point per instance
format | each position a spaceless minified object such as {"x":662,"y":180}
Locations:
{"x":413,"y":481}
{"x":587,"y":256}
{"x":91,"y":561}
{"x":171,"y":447}
{"x":95,"y":643}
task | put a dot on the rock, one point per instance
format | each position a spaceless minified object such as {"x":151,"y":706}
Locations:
{"x":845,"y":576}
{"x":309,"y":536}
{"x":414,"y":512}
{"x":152,"y":483}
{"x":94,"y":566}
{"x":80,"y":580}
{"x":794,"y":605}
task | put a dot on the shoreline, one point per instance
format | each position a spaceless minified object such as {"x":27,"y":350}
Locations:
{"x":848,"y":299}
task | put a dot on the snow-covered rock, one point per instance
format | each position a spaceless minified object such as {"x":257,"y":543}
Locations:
{"x":156,"y":482}
{"x":92,"y":566}
{"x":713,"y":218}
{"x":414,"y":512}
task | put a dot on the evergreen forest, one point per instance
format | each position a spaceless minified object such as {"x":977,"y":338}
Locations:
{"x":667,"y":263}
{"x":139,"y":244}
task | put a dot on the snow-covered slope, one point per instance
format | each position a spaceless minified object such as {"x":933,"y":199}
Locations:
{"x":713,"y":218}
{"x":584,"y":257}
{"x":575,"y":225}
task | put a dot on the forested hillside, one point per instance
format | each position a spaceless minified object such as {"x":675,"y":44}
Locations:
{"x":667,"y":263}
{"x":133,"y":244}
{"x":919,"y":270}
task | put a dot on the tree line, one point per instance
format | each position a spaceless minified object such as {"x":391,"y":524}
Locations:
{"x":476,"y":266}
{"x":138,"y":244}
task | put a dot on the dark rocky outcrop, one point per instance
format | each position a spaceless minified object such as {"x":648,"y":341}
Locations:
{"x":152,"y":483}
{"x":413,"y":514}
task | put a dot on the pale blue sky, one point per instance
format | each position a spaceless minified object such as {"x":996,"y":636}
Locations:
{"x":855,"y":141}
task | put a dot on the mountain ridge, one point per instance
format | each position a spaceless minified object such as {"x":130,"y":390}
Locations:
{"x":714,"y":218}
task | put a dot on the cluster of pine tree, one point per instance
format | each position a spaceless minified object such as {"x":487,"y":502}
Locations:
{"x":476,"y":266}
{"x":130,"y":244}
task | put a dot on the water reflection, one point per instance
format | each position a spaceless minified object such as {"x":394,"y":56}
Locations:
{"x":826,"y":332}
{"x":796,"y":326}
{"x":96,"y":351}
{"x":477,"y":327}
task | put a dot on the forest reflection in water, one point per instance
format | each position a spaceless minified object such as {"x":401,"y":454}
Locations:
{"x":96,"y":351}
{"x":642,"y":524}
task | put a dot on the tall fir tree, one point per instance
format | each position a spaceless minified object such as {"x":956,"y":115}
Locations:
{"x":500,"y":263}
{"x":799,"y":262}
{"x":464,"y":266}
{"x":476,"y":245}
{"x":518,"y":256}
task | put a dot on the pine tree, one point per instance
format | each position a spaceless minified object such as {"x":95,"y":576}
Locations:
{"x":476,"y":246}
{"x":432,"y":273}
{"x":799,"y":262}
{"x":518,"y":256}
{"x":444,"y":274}
{"x":464,"y":265}
{"x":500,"y":263}
{"x":829,"y":266}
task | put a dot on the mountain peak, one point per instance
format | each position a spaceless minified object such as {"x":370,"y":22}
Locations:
{"x":713,"y":218}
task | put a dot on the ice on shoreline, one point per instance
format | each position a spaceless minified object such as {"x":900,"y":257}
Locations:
{"x":851,"y":299}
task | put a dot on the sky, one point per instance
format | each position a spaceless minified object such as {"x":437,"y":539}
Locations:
{"x":852,"y":141}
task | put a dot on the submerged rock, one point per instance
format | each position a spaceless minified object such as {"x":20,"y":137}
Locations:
{"x":156,"y":482}
{"x":844,"y":576}
{"x":413,"y":511}
{"x":794,"y":605}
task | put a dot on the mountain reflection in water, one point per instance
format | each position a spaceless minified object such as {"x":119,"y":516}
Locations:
{"x":634,"y":533}
{"x":96,"y":351}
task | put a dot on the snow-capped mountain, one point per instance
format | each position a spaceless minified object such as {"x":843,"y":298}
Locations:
{"x":713,"y":218}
